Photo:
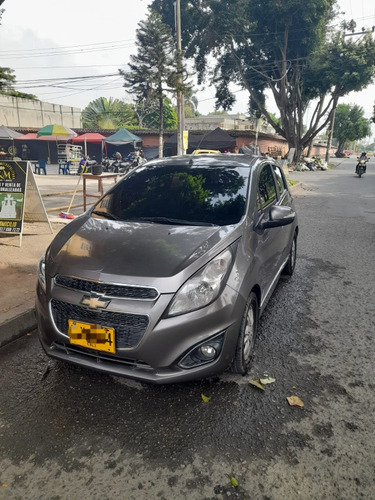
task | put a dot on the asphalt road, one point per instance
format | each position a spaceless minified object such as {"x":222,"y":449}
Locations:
{"x":71,"y":433}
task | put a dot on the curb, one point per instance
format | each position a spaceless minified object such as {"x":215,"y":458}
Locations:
{"x":17,"y":326}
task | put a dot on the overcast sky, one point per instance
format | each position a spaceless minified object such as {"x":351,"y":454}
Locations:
{"x":48,"y":39}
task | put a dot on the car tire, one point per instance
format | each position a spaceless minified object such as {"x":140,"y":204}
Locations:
{"x":291,"y":262}
{"x":246,"y":337}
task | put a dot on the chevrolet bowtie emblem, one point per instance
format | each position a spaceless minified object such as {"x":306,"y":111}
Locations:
{"x":93,"y":302}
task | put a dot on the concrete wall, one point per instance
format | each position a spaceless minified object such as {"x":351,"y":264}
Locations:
{"x":30,"y":113}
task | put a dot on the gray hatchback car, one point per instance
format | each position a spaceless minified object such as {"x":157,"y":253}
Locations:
{"x":165,"y":277}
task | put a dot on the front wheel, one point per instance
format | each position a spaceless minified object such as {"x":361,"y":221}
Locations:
{"x":246,"y":336}
{"x":291,"y":262}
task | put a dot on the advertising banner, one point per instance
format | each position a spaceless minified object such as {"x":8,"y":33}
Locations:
{"x":20,"y":199}
{"x":12,"y":195}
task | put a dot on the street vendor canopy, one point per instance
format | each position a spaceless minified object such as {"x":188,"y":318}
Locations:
{"x":88,"y":137}
{"x":121,"y":137}
{"x":8,"y":133}
{"x":214,"y":139}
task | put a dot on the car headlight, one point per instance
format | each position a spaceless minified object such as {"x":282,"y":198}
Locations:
{"x":42,"y":272}
{"x":202,"y":288}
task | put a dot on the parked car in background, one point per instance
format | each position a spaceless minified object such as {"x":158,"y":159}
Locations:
{"x":165,"y":277}
{"x":205,"y":152}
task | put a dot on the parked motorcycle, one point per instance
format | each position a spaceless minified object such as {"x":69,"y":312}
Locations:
{"x":361,"y":165}
{"x":86,"y":164}
{"x":107,"y":164}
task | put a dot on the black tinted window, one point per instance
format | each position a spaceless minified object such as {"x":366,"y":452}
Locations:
{"x":267,"y":187}
{"x":193,"y":194}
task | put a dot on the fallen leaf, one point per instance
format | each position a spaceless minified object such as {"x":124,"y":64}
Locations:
{"x":257,"y":383}
{"x":234,"y":482}
{"x":4,"y":485}
{"x":268,"y":380}
{"x":295,"y":401}
{"x":235,"y":403}
{"x":205,"y":398}
{"x":294,"y":387}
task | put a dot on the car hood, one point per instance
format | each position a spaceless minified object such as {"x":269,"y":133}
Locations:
{"x":135,"y":253}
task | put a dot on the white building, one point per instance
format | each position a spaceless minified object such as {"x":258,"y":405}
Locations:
{"x":227,"y":122}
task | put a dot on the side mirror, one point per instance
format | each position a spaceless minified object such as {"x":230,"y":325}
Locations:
{"x":279,"y":216}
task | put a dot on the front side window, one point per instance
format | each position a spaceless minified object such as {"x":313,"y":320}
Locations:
{"x":279,"y":179}
{"x":267,"y":188}
{"x":184,"y":194}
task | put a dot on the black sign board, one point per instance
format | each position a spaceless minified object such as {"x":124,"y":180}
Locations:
{"x":20,"y":199}
{"x":12,"y":195}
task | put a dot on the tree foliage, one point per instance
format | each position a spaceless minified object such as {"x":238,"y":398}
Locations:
{"x":108,"y":114}
{"x":350,"y":124}
{"x":147,"y":113}
{"x":7,"y":81}
{"x":285,"y":47}
{"x":152,"y":71}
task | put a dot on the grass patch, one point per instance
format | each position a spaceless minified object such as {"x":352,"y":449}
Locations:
{"x":292,"y":183}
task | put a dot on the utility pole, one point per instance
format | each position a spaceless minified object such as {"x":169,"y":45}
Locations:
{"x":180,"y":99}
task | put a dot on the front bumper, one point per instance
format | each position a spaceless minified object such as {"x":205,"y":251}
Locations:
{"x":156,"y":354}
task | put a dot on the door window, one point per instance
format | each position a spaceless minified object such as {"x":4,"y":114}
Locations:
{"x":267,"y":188}
{"x":279,"y":179}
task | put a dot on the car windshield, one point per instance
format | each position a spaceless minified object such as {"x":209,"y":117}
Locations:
{"x":175,"y":194}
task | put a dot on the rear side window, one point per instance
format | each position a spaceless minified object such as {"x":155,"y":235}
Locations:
{"x":279,"y":179}
{"x":267,"y":188}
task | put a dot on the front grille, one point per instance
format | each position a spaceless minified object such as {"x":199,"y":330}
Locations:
{"x":108,"y":289}
{"x":129,"y":328}
{"x":101,"y":356}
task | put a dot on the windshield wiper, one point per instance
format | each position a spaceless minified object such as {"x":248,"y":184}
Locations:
{"x":169,"y":220}
{"x":106,"y":215}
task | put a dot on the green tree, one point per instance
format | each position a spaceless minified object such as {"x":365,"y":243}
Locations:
{"x":190,"y":105}
{"x":147,"y":112}
{"x":7,"y":80}
{"x":350,"y":125}
{"x":108,"y":114}
{"x":152,"y":72}
{"x":285,"y":47}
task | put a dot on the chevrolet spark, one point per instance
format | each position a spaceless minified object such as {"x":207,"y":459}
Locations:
{"x":165,"y":277}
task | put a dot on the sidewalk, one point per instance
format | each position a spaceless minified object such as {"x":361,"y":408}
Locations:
{"x":18,"y":265}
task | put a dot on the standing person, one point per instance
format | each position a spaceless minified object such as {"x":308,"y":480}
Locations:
{"x":25,"y":152}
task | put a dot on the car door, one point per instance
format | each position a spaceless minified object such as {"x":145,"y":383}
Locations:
{"x":285,"y":199}
{"x":269,"y":241}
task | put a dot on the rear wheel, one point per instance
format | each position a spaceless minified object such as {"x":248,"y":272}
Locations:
{"x":291,"y":262}
{"x":246,"y":336}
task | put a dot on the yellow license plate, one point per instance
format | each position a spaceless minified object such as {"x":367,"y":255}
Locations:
{"x":91,"y":336}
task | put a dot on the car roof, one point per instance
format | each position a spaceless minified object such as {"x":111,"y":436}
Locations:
{"x":209,"y":160}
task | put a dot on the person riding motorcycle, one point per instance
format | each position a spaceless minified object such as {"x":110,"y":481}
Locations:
{"x":362,"y":157}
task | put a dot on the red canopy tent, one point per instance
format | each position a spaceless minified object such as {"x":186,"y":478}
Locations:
{"x":28,"y":137}
{"x":90,"y":138}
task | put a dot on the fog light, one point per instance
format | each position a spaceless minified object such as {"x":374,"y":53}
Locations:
{"x":208,"y":351}
{"x":203,"y":353}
